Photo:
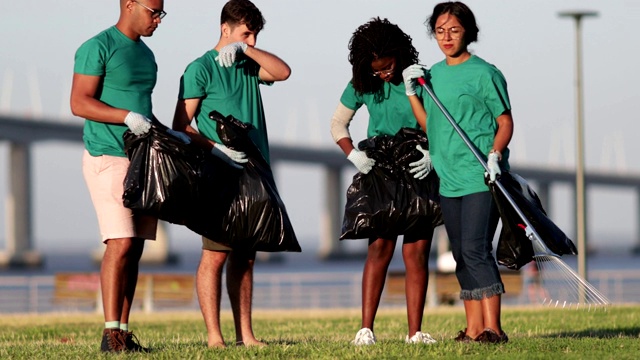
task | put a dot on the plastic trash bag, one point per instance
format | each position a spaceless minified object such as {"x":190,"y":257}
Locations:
{"x":388,"y":201}
{"x":256,"y":217}
{"x":514,"y":248}
{"x":163,"y":179}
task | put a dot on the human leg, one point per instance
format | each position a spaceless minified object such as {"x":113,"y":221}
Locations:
{"x":467,"y":220}
{"x":240,"y":289}
{"x":121,"y":231}
{"x":379,"y":255}
{"x":209,"y":289}
{"x":131,"y":277}
{"x":482,"y":291}
{"x":415,"y":253}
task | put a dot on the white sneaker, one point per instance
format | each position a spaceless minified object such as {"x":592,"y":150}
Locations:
{"x":420,"y":338}
{"x":364,"y":337}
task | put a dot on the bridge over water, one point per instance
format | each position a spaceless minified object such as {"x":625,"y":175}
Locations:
{"x":21,"y":134}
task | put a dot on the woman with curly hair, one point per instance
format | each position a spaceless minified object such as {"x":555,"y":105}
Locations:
{"x":379,"y":50}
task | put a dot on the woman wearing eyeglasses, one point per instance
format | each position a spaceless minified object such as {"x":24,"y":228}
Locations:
{"x":379,"y":51}
{"x":475,"y":94}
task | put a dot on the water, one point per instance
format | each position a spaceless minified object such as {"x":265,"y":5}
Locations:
{"x":306,"y":262}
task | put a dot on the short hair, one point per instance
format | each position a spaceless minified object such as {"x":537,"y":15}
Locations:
{"x":464,"y":15}
{"x":238,"y":12}
{"x":373,"y":40}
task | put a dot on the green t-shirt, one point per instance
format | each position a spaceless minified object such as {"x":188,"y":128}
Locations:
{"x":475,"y":94}
{"x":386,"y":117}
{"x":128,"y":70}
{"x":230,"y":90}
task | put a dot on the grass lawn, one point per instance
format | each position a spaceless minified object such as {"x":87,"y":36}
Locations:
{"x":534,"y":333}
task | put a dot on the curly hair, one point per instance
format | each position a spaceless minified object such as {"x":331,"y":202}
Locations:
{"x":238,"y":12}
{"x":373,"y":40}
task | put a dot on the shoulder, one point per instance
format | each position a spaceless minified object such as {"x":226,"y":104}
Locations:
{"x":101,"y":40}
{"x":204,"y":62}
{"x":483,"y":66}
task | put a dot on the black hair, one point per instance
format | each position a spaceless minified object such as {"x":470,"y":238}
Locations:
{"x":373,"y":40}
{"x":464,"y":15}
{"x":238,"y":12}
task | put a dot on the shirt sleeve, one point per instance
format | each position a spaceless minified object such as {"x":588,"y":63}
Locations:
{"x":497,"y":96}
{"x":90,"y":59}
{"x":350,"y":98}
{"x":193,"y":83}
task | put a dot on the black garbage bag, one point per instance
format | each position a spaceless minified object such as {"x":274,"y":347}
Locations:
{"x":163,"y":179}
{"x":388,"y":201}
{"x":514,"y":248}
{"x":256,"y":218}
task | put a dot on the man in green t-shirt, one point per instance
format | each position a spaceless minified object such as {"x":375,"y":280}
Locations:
{"x":114,"y":76}
{"x":227,"y":79}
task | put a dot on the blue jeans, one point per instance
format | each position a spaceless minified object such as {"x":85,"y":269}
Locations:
{"x":471,"y":222}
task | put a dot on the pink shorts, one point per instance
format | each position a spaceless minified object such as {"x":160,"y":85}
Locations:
{"x":104,"y":176}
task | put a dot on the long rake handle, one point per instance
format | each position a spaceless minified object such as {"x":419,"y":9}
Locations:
{"x":530,"y":231}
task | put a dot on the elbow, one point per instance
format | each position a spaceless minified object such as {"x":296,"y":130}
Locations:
{"x":284,"y":74}
{"x":76,"y":109}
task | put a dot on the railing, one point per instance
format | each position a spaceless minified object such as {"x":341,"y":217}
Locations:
{"x":34,"y":294}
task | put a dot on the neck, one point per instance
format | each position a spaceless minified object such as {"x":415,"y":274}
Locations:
{"x":458,"y":58}
{"x":127,"y":31}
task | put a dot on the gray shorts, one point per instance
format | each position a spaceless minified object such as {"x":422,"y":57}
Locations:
{"x":208,"y":244}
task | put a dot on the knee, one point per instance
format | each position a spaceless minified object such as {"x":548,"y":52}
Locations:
{"x":380,"y":250}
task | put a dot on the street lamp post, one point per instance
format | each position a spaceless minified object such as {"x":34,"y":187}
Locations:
{"x":580,"y":188}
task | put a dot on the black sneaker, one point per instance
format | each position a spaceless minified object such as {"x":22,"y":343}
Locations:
{"x":488,"y":336}
{"x":463,"y":337}
{"x":132,"y":343}
{"x":112,"y":341}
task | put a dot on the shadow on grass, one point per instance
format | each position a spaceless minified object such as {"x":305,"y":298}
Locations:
{"x":631,"y":332}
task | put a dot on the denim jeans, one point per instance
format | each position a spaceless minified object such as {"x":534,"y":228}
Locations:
{"x":471,"y":222}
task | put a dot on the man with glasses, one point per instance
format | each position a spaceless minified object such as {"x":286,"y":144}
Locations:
{"x":227,"y":79}
{"x":114,"y":76}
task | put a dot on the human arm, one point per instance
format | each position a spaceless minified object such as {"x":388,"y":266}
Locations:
{"x":182,"y":118}
{"x":500,"y":142}
{"x":409,"y":76}
{"x":272,"y":68}
{"x":85,"y":104}
{"x":340,"y":133}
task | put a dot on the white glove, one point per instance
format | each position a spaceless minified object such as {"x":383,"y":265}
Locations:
{"x":409,"y":75}
{"x":361,"y":160}
{"x":227,"y":55}
{"x":180,"y":135}
{"x":492,"y":164}
{"x":422,"y":166}
{"x":137,"y":123}
{"x":230,"y":156}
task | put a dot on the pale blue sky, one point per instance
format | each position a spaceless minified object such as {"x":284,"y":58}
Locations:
{"x":532,"y":46}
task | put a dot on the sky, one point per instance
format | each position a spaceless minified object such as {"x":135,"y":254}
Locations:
{"x":526,"y":40}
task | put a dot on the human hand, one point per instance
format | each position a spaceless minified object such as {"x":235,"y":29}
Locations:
{"x":421,"y":167}
{"x":227,"y":55}
{"x":137,"y":123}
{"x":409,"y":75}
{"x":363,"y":163}
{"x":492,"y":164}
{"x":180,"y":135}
{"x":230,"y":156}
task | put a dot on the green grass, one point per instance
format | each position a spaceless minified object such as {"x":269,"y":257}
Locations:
{"x":535,"y":333}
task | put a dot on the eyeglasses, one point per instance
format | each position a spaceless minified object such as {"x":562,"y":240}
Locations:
{"x":455,"y":32}
{"x":388,"y":72}
{"x":155,"y":14}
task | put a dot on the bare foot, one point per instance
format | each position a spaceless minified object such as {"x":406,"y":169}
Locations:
{"x":219,"y":345}
{"x":253,"y":342}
